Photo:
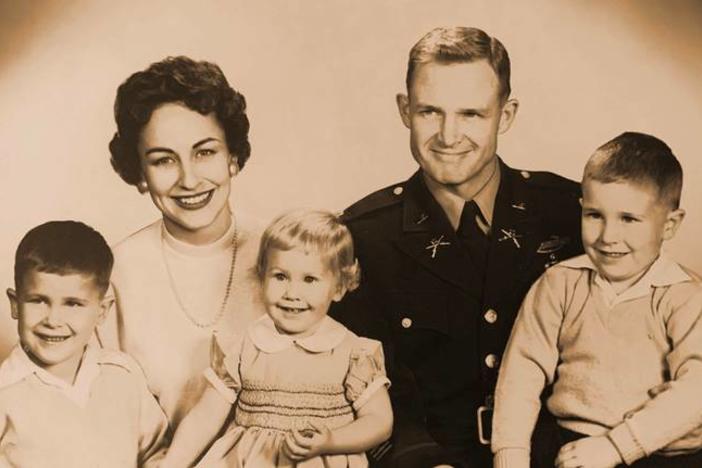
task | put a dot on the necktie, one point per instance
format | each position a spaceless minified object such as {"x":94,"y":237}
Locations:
{"x":473,"y":239}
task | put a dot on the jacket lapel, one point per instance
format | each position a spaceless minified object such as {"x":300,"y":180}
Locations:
{"x":515,"y":235}
{"x":428,"y":238}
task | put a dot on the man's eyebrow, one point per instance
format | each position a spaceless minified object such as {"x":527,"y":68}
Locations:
{"x":471,"y":110}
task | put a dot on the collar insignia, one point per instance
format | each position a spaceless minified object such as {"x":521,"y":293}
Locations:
{"x":423,"y":217}
{"x":435,"y":244}
{"x":510,"y":234}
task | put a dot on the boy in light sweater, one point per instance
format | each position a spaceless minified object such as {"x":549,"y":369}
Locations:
{"x":65,"y":403}
{"x":607,"y":327}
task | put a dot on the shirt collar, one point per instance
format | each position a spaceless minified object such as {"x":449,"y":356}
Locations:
{"x":268,"y":339}
{"x":452,"y":204}
{"x":18,"y":366}
{"x":664,"y":271}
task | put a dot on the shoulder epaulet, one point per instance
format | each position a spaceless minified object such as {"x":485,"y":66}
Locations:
{"x":388,"y":196}
{"x":549,"y":180}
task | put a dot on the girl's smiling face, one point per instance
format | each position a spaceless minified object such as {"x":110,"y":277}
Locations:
{"x":298,"y":288}
{"x":187,"y":169}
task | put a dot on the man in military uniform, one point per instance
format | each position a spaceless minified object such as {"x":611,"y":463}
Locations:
{"x":448,"y":255}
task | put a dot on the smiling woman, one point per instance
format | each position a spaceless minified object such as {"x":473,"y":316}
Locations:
{"x":182,"y":137}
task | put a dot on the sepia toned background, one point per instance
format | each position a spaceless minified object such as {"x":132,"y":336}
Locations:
{"x":320,"y":77}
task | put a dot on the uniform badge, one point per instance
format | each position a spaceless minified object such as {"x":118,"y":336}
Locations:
{"x":521,"y":206}
{"x":510,"y":234}
{"x":553,"y":244}
{"x":434,"y":244}
{"x":423,"y":217}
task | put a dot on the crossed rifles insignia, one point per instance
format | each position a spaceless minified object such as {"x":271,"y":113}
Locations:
{"x":434,"y":245}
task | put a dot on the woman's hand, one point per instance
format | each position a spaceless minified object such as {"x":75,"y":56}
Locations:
{"x":590,"y":452}
{"x":308,"y":443}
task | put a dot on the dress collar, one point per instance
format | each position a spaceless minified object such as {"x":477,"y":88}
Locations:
{"x":268,"y":339}
{"x":18,"y":366}
{"x":664,"y":271}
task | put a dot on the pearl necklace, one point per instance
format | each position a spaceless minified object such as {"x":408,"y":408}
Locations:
{"x":227,"y":290}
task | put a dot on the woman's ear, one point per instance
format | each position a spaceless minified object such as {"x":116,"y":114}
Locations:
{"x":142,"y":186}
{"x":233,"y":166}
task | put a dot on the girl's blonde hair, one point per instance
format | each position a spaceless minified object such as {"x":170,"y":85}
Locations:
{"x":313,"y":231}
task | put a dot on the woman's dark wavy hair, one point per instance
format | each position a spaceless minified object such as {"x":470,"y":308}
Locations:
{"x":201,"y":86}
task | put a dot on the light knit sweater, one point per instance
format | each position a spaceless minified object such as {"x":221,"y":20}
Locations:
{"x":107,"y":418}
{"x":149,"y":322}
{"x":603,"y":352}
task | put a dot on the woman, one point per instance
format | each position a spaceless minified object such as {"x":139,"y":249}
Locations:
{"x":182,"y":135}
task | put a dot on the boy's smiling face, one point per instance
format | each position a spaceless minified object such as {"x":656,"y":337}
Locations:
{"x":623,"y":227}
{"x":56,"y":316}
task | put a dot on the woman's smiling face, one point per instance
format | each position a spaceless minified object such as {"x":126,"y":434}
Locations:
{"x":187,"y":169}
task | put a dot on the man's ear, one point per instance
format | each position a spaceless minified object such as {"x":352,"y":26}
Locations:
{"x":403,"y":106}
{"x":14,"y":307}
{"x":507,"y":115}
{"x":105,"y":306}
{"x":672,"y":223}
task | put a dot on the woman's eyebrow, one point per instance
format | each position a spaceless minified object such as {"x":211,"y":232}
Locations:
{"x":204,"y":140}
{"x":158,"y":149}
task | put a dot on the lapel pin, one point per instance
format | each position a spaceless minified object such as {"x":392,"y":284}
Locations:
{"x":423,"y":217}
{"x":510,"y":234}
{"x":519,"y":206}
{"x":435,"y":244}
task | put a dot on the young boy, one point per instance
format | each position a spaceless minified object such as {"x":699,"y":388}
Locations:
{"x":607,"y":327}
{"x":63,"y":402}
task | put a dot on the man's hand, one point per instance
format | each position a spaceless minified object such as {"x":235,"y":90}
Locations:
{"x":308,"y":443}
{"x":590,"y":452}
{"x":689,"y":443}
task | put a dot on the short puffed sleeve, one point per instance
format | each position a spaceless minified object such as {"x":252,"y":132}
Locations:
{"x":366,"y":372}
{"x":223,"y":373}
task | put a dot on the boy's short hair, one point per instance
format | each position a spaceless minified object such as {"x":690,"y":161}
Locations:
{"x":641,"y":159}
{"x":317,"y":231}
{"x":64,"y":247}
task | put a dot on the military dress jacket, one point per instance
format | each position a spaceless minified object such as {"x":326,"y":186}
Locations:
{"x":443,"y":328}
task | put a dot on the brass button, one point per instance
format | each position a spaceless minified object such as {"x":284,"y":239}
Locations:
{"x":491,"y":361}
{"x":406,"y":322}
{"x":490,"y":316}
{"x":398,"y":190}
{"x":525,"y":174}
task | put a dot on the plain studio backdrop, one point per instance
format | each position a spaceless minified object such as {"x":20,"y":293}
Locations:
{"x":320,"y":78}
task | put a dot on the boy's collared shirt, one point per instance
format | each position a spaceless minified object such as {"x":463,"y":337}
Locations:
{"x":19,"y":366}
{"x":662,"y":272}
{"x":106,"y":418}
